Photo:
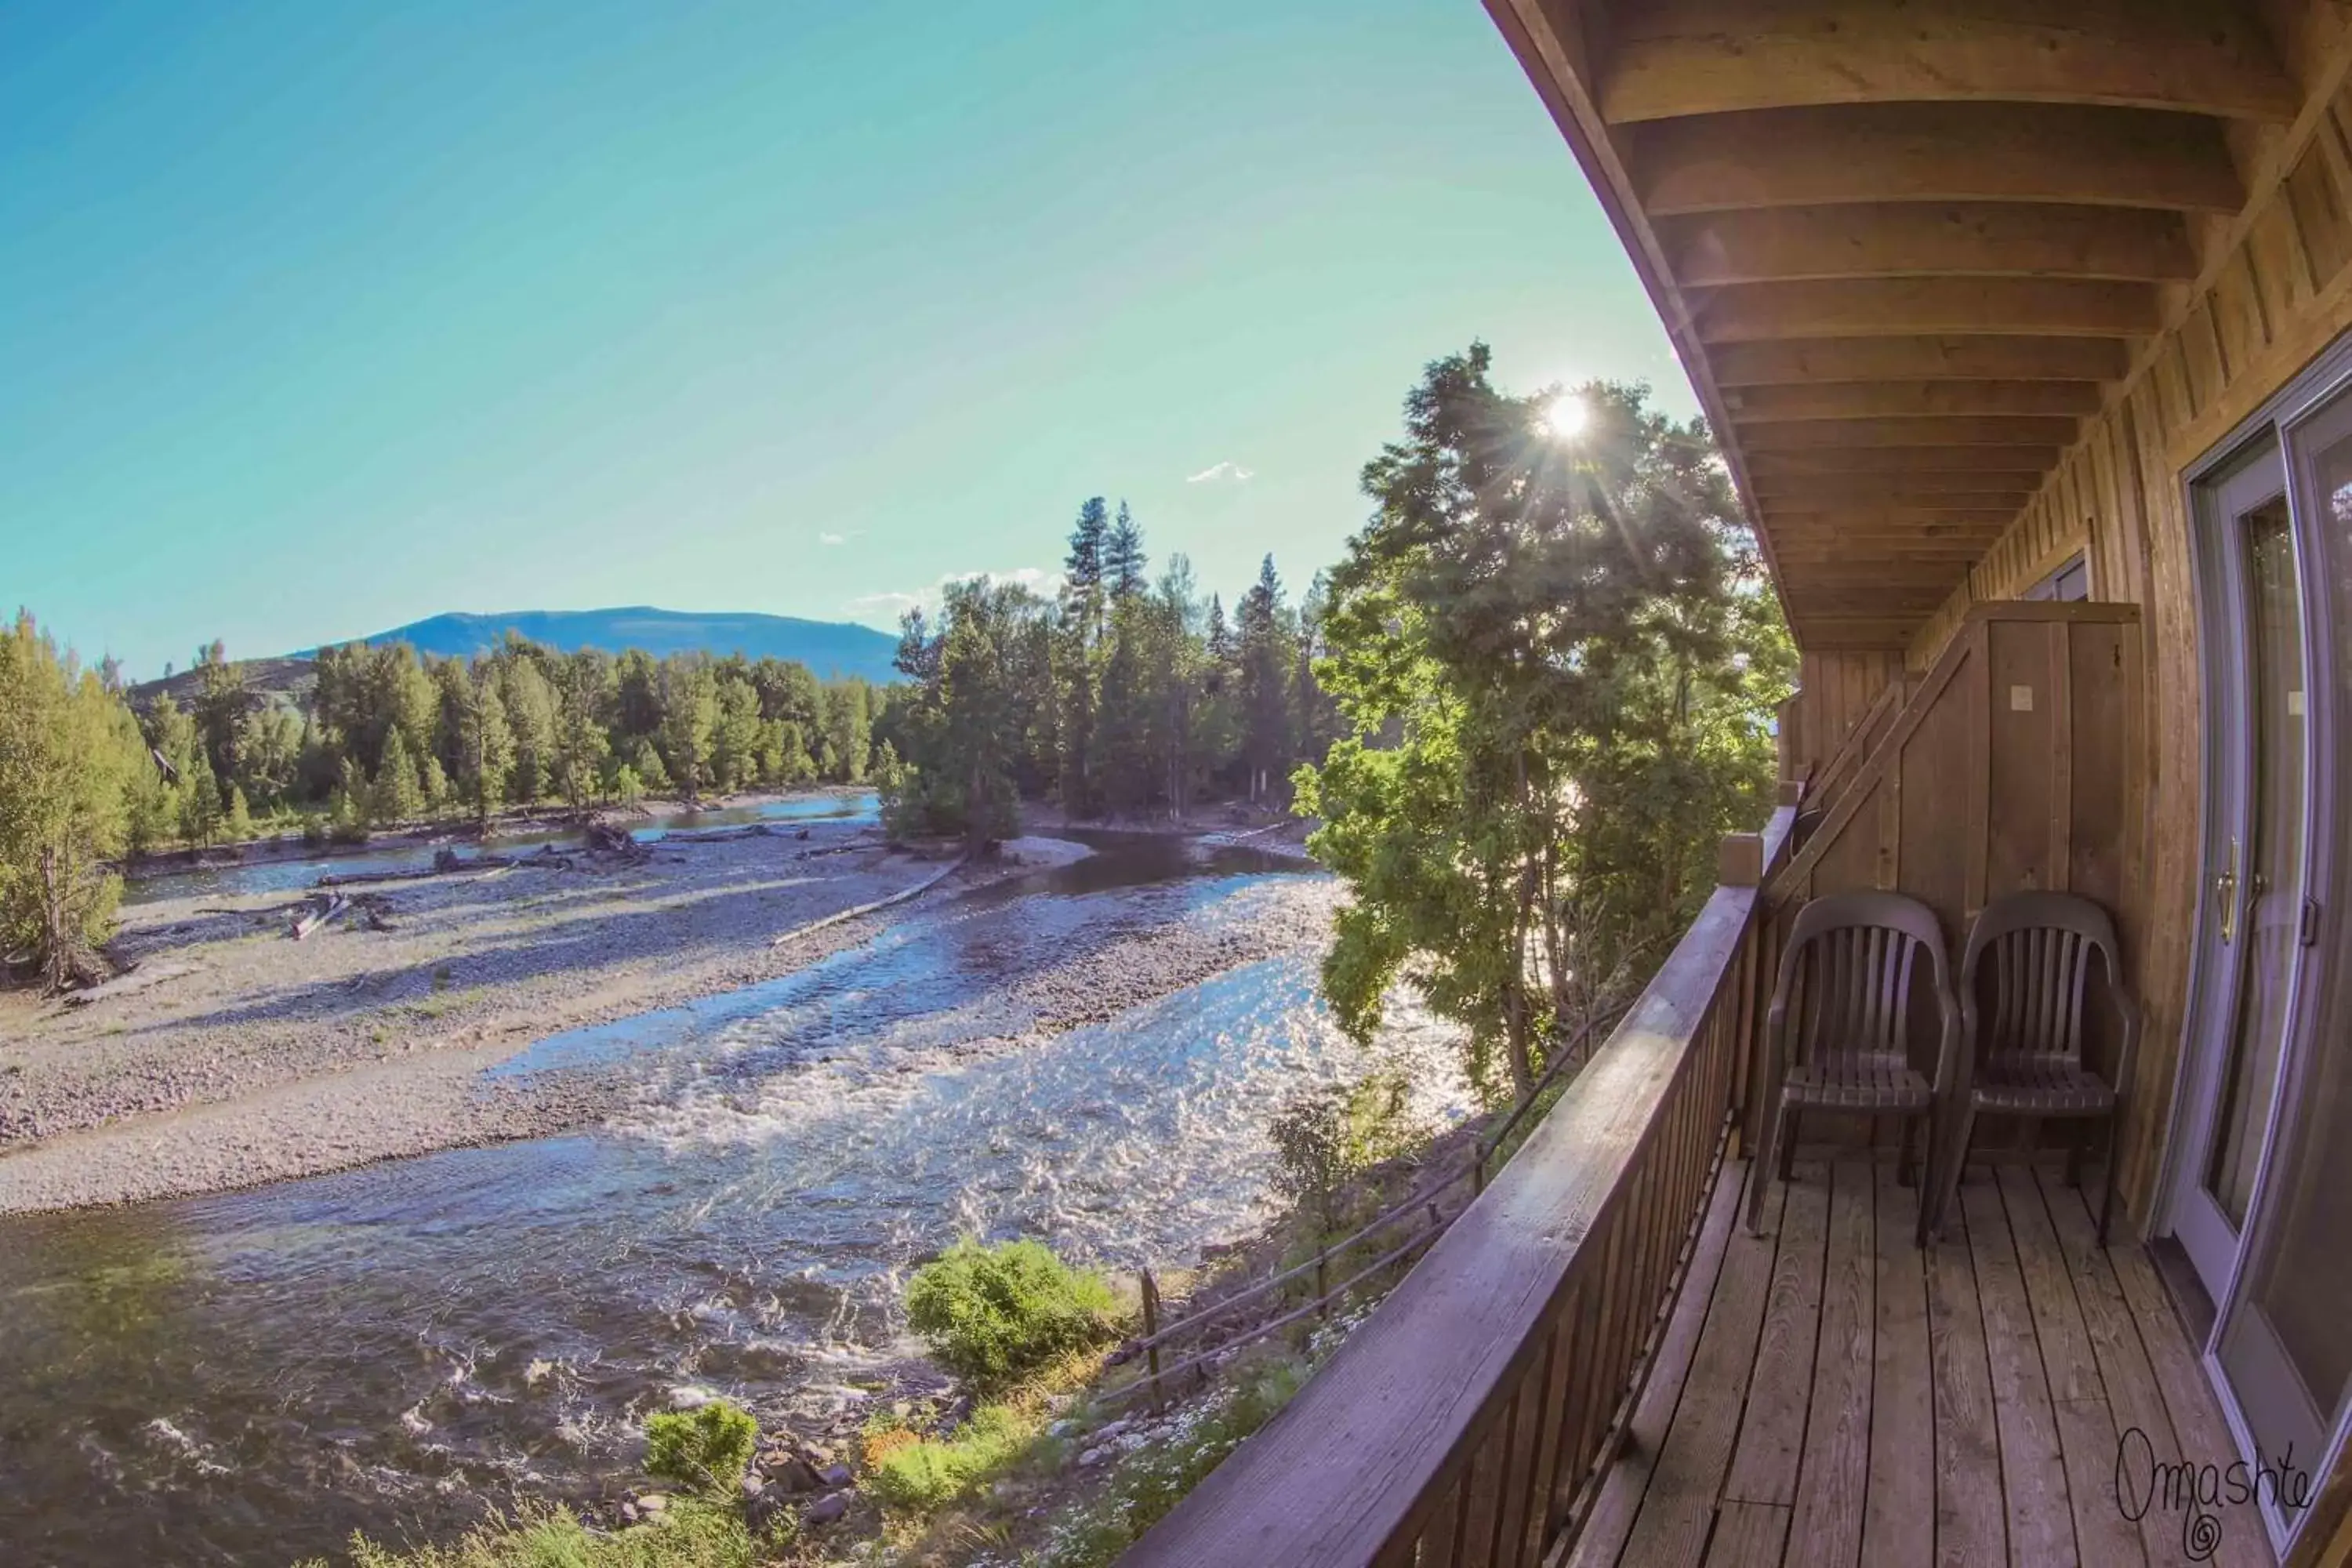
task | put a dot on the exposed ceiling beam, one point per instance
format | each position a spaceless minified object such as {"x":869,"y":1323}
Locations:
{"x":1901,"y":521}
{"x":1916,"y":462}
{"x":1950,"y":430}
{"x":1703,"y":57}
{"x":1896,"y":490}
{"x":1911,"y":307}
{"x":1883,"y":399}
{"x":1934,"y":153}
{"x":1926,"y":357}
{"x":1887,"y":240}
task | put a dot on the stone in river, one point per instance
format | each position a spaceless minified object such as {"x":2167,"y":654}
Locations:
{"x":827,"y":1509}
{"x":837,"y":1475}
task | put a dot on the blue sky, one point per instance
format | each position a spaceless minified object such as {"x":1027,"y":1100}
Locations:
{"x":316,"y":319}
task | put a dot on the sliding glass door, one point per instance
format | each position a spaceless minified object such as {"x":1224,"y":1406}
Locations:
{"x":2285,"y":1340}
{"x":2261,"y":1197}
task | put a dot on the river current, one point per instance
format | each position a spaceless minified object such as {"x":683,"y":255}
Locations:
{"x":247,"y":1378}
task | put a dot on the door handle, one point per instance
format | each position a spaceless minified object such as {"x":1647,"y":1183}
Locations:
{"x":2225,"y":889}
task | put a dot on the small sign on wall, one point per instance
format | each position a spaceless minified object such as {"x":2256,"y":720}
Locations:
{"x":2021,"y":699}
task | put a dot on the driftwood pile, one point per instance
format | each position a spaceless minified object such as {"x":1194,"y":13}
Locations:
{"x":318,"y":911}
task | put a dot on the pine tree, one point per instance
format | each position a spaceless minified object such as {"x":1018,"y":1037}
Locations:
{"x":1075,"y":678}
{"x":397,"y":796}
{"x":488,"y":753}
{"x":200,"y":805}
{"x":1264,"y":670}
{"x":238,"y":824}
{"x":1123,"y":560}
{"x":689,"y":712}
{"x":350,"y":808}
{"x":581,"y":742}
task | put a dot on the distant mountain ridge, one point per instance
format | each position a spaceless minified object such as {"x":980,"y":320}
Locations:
{"x":828,"y":648}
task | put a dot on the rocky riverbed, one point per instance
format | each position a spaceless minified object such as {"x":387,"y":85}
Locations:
{"x":255,"y":1056}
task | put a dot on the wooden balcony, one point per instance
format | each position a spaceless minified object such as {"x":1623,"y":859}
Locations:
{"x":1828,"y":1393}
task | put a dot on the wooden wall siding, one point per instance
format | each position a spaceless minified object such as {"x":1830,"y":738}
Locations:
{"x":2012,"y":767}
{"x":1833,"y":691}
{"x":2284,"y":294}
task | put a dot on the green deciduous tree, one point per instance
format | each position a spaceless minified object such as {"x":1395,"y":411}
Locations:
{"x":69,"y":750}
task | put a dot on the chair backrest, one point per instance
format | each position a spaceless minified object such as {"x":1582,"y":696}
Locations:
{"x":2039,"y":946}
{"x":1844,"y":985}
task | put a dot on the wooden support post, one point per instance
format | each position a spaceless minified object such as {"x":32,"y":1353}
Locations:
{"x":1152,"y":1333}
{"x":1792,"y":792}
{"x":1739,"y":862}
{"x":1322,"y":1285}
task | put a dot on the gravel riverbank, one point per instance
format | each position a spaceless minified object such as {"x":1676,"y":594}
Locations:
{"x":260,"y":1057}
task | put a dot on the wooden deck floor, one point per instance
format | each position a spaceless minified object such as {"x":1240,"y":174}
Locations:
{"x":1828,"y":1393}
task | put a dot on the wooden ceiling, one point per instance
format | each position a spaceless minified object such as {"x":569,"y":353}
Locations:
{"x":1906,"y":247}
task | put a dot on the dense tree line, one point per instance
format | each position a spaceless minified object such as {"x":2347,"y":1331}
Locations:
{"x":388,"y":736}
{"x":1123,"y":694}
{"x":1559,"y":665}
{"x":383,"y":737}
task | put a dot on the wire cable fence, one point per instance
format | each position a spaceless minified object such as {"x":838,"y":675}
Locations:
{"x":1174,"y":1351}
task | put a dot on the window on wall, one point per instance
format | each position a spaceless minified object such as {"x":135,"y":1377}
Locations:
{"x":2069,"y":582}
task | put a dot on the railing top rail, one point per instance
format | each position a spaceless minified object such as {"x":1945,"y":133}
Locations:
{"x":1336,"y":1479}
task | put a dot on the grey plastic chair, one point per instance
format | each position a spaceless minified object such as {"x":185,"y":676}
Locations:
{"x":1846,"y":977}
{"x":2026,"y":1058}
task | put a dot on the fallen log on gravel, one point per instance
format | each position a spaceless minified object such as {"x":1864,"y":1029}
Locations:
{"x":319,"y":915}
{"x":916,"y":891}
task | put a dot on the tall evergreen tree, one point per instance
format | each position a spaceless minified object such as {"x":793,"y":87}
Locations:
{"x":1123,"y":560}
{"x":1535,"y":647}
{"x":486,"y":754}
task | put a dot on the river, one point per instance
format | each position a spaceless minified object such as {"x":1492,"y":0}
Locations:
{"x":247,"y":1378}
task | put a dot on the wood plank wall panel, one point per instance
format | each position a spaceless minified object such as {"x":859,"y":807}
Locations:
{"x":2017,"y":770}
{"x":1833,"y":691}
{"x":2281,"y":296}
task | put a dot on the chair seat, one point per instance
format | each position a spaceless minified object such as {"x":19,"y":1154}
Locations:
{"x":2040,"y":1086}
{"x":1851,"y":1083}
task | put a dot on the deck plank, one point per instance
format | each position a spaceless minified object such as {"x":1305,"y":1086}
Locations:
{"x":1677,"y":1512}
{"x":1610,"y":1519}
{"x":1772,"y":1436}
{"x":1899,"y":1526}
{"x":2132,"y":1400}
{"x":1749,"y":1535}
{"x":1834,"y":1477}
{"x":2032,"y":1467}
{"x":1957,"y":1405}
{"x":2086,"y":1428}
{"x":1971,"y":1527}
{"x":2196,"y":1414}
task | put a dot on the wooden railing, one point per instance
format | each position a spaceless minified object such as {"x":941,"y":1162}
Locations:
{"x":1471,"y":1417}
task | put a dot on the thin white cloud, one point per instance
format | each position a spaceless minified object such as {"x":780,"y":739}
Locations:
{"x":1224,"y":470}
{"x":888,"y":607}
{"x":829,"y":540}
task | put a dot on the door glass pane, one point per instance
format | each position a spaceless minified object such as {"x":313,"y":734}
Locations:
{"x":2289,"y":1345}
{"x":2272,"y":896}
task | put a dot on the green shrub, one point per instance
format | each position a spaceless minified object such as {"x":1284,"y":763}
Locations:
{"x":929,"y":1472}
{"x":992,"y":1312}
{"x":704,"y":1449}
{"x":690,"y":1535}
